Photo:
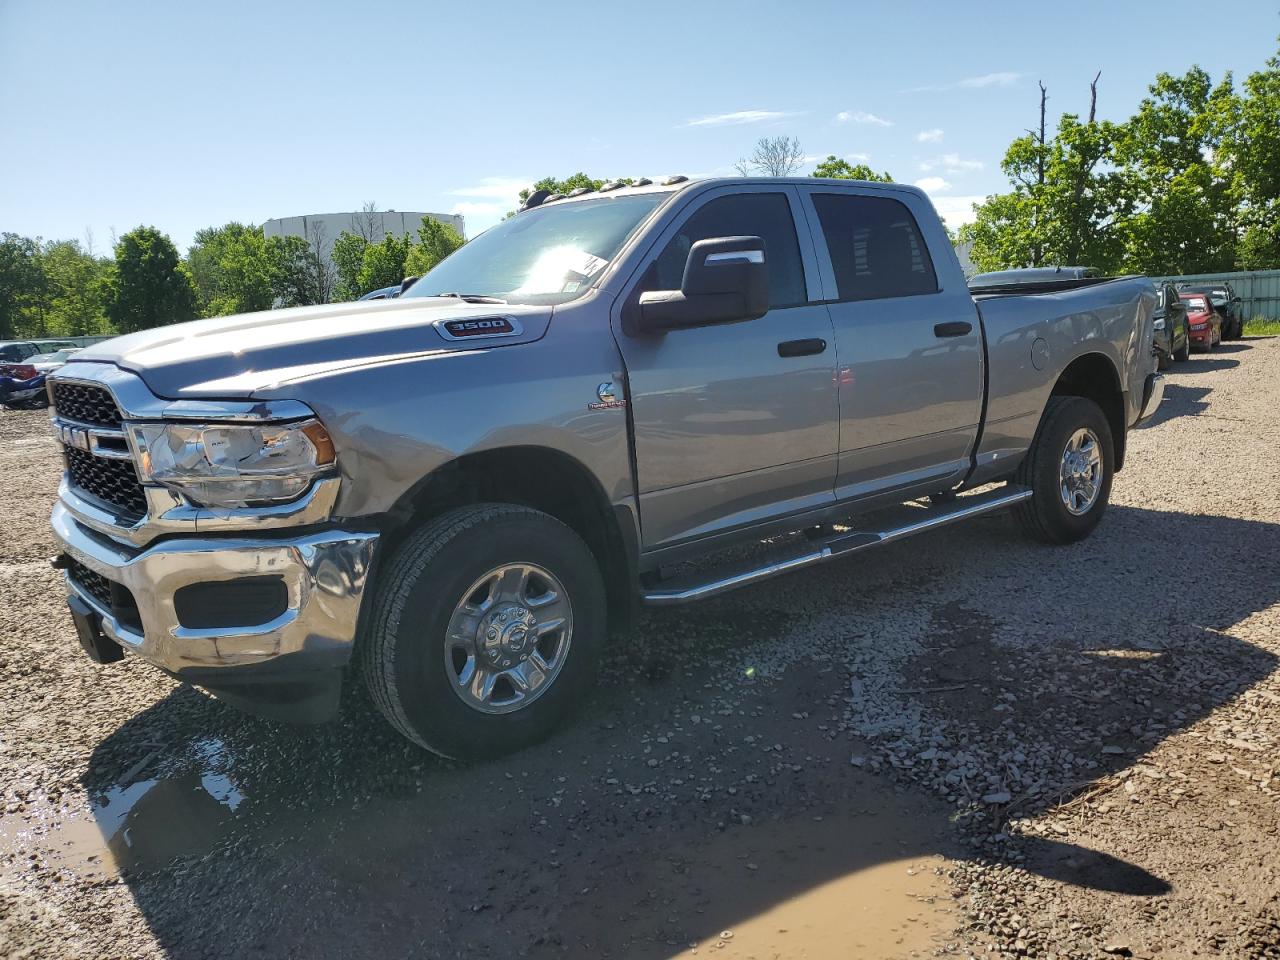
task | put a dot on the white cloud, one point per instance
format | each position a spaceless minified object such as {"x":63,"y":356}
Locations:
{"x":933,"y":184}
{"x":493,"y":188}
{"x":951,"y":163}
{"x":956,"y":211}
{"x":1003,"y":79}
{"x":738,"y":118}
{"x":929,"y":136}
{"x":858,"y":157}
{"x":861,"y":116}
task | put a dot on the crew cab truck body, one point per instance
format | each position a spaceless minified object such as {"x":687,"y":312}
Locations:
{"x":461,"y":491}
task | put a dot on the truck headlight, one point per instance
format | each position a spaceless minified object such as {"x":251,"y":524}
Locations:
{"x":233,"y":465}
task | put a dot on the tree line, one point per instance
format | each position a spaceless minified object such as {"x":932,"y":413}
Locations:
{"x":1189,"y":184}
{"x":62,"y":288}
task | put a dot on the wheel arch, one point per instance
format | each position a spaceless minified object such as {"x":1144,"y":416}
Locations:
{"x":1094,"y":376}
{"x":544,"y":479}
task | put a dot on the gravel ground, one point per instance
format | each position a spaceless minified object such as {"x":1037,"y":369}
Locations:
{"x":965,"y":745}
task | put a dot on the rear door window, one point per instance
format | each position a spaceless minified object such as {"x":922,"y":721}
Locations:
{"x":875,"y":247}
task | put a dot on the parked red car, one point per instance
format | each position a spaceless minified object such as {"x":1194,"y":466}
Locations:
{"x":1204,"y":324}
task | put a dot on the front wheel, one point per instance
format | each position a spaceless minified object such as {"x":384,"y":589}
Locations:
{"x":485,"y":631}
{"x":1069,"y":469}
{"x":1184,"y":351}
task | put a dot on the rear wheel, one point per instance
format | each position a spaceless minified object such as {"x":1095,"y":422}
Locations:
{"x":1163,"y":361}
{"x":1069,"y":469}
{"x":1184,"y":351}
{"x":485,"y":631}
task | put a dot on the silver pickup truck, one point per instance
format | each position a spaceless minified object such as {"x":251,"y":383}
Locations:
{"x":462,"y":492}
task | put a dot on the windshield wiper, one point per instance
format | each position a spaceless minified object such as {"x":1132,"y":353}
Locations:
{"x":471,"y":297}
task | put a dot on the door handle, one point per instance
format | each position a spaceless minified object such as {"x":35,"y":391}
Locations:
{"x":801,"y":348}
{"x":955,"y":328}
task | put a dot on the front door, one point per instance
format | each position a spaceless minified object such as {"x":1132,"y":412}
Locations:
{"x":736,"y":423}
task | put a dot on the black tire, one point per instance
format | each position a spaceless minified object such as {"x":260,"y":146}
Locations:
{"x":1183,"y":352}
{"x":403,"y":648}
{"x":1045,"y":516}
{"x":1163,"y":361}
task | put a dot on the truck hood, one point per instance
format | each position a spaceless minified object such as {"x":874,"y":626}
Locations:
{"x":230,"y":357}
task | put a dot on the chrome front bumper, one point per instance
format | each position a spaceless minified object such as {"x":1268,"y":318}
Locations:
{"x":325,"y":575}
{"x":1152,"y":395}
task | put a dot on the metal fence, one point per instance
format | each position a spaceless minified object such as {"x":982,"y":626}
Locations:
{"x":1258,"y":290}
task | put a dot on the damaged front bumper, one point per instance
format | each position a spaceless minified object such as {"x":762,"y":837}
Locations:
{"x":266,"y":622}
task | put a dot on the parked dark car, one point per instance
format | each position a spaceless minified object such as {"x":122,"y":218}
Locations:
{"x":382,"y":293}
{"x":15,"y":351}
{"x":1225,"y":302}
{"x":1172,"y":340}
{"x":998,"y":278}
{"x":1203,"y":321}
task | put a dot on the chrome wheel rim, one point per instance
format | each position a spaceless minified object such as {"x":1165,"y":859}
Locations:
{"x":1080,"y":474}
{"x":508,"y":638}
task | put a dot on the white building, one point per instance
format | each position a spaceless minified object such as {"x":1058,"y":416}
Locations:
{"x":321,"y":229}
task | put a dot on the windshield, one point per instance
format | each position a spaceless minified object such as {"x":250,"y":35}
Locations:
{"x":1196,"y":303}
{"x":547,"y":255}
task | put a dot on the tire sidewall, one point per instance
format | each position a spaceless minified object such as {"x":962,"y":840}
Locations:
{"x":423,"y":683}
{"x":1079,"y":412}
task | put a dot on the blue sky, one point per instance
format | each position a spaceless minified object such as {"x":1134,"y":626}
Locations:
{"x":186,"y":115}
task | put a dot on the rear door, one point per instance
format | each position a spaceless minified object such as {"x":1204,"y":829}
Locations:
{"x":908,"y":340}
{"x":734,"y":424}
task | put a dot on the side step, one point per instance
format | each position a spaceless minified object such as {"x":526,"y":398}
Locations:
{"x":686,"y":589}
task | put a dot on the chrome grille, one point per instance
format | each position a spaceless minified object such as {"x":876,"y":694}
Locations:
{"x":112,"y":481}
{"x":85,"y":403}
{"x":109,"y":479}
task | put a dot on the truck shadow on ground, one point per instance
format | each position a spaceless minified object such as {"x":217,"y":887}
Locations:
{"x":688,"y":797}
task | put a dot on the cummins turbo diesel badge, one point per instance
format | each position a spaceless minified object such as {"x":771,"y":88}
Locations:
{"x":608,"y":398}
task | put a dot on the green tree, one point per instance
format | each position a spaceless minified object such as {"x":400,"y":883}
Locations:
{"x":383,"y":263}
{"x":21,"y":284}
{"x":837,"y":168}
{"x":436,"y":241}
{"x":1169,"y":157}
{"x":293,"y":272}
{"x":74,"y":286}
{"x":150,"y":286}
{"x":1066,"y":203}
{"x":1250,"y":151}
{"x":348,"y":259}
{"x":232,"y":269}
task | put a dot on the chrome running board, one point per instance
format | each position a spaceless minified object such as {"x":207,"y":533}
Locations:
{"x":686,"y":589}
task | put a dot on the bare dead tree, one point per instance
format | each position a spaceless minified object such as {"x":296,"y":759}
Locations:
{"x":1038,"y":136}
{"x":323,"y":275}
{"x":367,"y":223}
{"x":88,"y":240}
{"x":773,"y":157}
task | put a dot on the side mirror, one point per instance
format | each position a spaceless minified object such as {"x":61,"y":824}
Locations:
{"x":726,"y":280}
{"x":406,"y":283}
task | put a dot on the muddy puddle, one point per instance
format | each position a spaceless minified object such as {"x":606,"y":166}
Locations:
{"x":139,"y":826}
{"x":857,"y":882}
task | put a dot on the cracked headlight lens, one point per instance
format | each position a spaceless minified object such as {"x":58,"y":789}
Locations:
{"x":233,"y":465}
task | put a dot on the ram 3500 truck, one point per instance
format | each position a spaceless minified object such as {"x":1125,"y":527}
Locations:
{"x":461,"y":492}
